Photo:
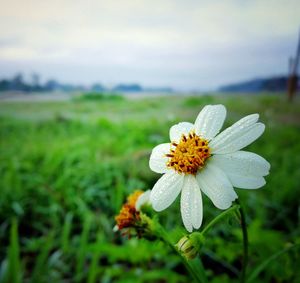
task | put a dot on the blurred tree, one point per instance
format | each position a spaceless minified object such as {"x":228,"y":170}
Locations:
{"x":35,"y":82}
{"x":97,"y":87}
{"x":51,"y":85}
{"x":18,"y":83}
{"x":4,"y":85}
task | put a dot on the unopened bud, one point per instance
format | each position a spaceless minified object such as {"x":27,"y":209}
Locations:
{"x":190,"y":245}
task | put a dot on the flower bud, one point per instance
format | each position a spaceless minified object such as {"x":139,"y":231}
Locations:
{"x":189,"y":246}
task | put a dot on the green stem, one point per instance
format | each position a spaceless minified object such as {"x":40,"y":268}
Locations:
{"x":245,"y":244}
{"x":199,"y":275}
{"x":219,"y":218}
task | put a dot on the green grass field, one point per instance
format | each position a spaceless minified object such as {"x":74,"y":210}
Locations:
{"x":67,"y":167}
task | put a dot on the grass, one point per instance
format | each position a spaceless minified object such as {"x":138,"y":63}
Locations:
{"x":67,"y":167}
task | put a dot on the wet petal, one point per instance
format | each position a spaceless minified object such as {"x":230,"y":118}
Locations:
{"x":242,"y":163}
{"x":186,"y":205}
{"x":158,"y":160}
{"x":180,"y":129}
{"x":166,"y":189}
{"x":239,"y":135}
{"x":191,"y":204}
{"x":246,"y":182}
{"x":210,"y":121}
{"x":197,"y":208}
{"x":214,"y":183}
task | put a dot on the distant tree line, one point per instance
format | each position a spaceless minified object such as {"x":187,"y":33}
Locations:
{"x":18,"y":83}
{"x":273,"y":84}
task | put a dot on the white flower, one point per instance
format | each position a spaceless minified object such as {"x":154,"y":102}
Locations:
{"x":198,"y":159}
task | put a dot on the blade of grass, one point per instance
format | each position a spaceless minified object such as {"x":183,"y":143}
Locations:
{"x":40,"y":267}
{"x":118,"y":196}
{"x":264,"y":264}
{"x":94,"y":267}
{"x":14,"y":271}
{"x":83,"y":247}
{"x":66,"y":232}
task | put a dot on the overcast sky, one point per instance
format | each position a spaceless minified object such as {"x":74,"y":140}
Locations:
{"x":180,"y":43}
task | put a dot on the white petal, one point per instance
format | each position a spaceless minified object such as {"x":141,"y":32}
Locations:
{"x":197,"y":208}
{"x":210,"y":121}
{"x":191,"y":204}
{"x":246,"y":182}
{"x":158,"y":159}
{"x":240,"y":139}
{"x":242,"y":163}
{"x":166,"y":189}
{"x":142,"y":199}
{"x":239,"y":135}
{"x":186,"y":205}
{"x":215,"y":184}
{"x":180,"y":129}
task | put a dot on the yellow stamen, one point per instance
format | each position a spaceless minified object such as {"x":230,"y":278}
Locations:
{"x":189,"y":154}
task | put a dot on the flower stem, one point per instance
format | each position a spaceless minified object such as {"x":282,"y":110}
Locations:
{"x":245,"y":243}
{"x":197,"y":273}
{"x":220,"y":217}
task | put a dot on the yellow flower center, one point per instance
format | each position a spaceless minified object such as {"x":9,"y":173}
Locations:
{"x":189,"y":155}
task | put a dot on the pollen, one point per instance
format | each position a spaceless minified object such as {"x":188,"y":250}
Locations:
{"x":189,"y":155}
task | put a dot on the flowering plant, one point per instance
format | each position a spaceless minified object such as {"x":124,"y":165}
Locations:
{"x":199,"y":160}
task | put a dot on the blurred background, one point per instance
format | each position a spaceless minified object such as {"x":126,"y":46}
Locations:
{"x":83,"y":85}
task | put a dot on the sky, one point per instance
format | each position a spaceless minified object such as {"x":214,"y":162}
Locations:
{"x":185,"y":44}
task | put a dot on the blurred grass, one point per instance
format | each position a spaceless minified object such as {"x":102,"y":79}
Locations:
{"x":67,"y":167}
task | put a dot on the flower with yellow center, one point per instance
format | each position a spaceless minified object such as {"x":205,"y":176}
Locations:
{"x":198,"y":159}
